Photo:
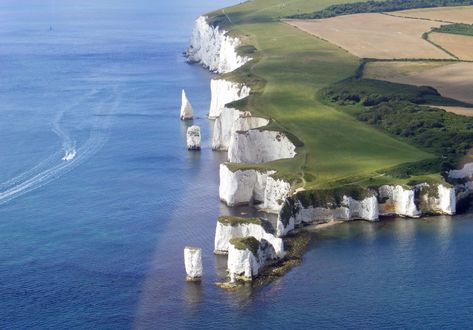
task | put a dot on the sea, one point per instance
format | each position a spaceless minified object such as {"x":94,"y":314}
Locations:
{"x":99,"y":194}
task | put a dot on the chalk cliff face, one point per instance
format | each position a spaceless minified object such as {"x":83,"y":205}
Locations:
{"x":223,"y":92}
{"x":227,"y":231}
{"x":214,"y":48}
{"x":193,"y":137}
{"x":246,"y":263}
{"x":398,"y":201}
{"x":437,"y":200}
{"x":186,"y":107}
{"x":296,"y":211}
{"x":193,"y":263}
{"x":259,"y":146}
{"x":230,"y":121}
{"x":252,"y":186}
{"x":386,"y":200}
{"x":465,"y":172}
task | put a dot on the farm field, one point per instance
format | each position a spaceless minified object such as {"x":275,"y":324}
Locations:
{"x":451,"y":80}
{"x":336,"y":146}
{"x":459,"y":45}
{"x":445,"y":14}
{"x":376,"y":35}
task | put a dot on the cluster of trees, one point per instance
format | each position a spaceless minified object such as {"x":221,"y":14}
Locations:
{"x":403,"y":111}
{"x":445,"y":134}
{"x":379,"y":6}
{"x":458,"y":28}
{"x":370,"y":92}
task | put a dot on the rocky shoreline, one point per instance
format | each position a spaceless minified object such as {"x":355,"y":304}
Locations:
{"x":253,"y":249}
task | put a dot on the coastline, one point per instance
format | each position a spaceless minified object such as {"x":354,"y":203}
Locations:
{"x":254,"y":145}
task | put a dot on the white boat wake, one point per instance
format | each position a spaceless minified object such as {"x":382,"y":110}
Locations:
{"x":54,"y":166}
{"x":69,"y":155}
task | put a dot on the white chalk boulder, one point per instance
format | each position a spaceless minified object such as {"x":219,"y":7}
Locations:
{"x":193,"y":137}
{"x":186,"y":107}
{"x":193,"y":263}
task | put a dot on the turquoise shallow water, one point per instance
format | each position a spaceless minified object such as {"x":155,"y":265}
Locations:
{"x":97,"y":242}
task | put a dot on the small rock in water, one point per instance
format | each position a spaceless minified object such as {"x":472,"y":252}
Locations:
{"x":193,"y":263}
{"x":193,"y":138}
{"x":186,"y":107}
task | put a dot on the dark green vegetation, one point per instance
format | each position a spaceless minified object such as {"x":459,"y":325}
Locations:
{"x":401,"y":111}
{"x":246,"y":243}
{"x":295,"y":244}
{"x":235,"y":221}
{"x":459,"y":28}
{"x":379,"y":7}
{"x":289,"y":67}
{"x":369,"y":92}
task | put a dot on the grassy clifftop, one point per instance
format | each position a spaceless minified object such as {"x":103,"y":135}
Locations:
{"x":291,"y":67}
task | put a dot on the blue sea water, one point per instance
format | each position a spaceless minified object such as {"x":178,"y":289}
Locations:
{"x":97,"y":242}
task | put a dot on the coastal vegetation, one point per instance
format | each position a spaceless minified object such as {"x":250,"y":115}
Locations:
{"x":337,"y":148}
{"x":401,"y":111}
{"x":378,"y":7}
{"x":458,"y":28}
{"x":246,"y":243}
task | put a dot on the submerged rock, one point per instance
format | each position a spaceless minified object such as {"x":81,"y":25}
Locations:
{"x":186,"y":107}
{"x":193,"y":263}
{"x":193,"y":138}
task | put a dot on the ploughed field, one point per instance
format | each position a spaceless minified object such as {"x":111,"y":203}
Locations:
{"x":443,"y":14}
{"x":458,"y":45}
{"x":376,"y":35}
{"x":451,"y":80}
{"x":292,"y":67}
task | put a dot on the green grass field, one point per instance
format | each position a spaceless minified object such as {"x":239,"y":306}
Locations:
{"x":338,"y":149}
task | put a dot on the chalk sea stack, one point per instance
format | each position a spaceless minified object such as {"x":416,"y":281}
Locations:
{"x":186,"y":107}
{"x":193,"y":263}
{"x":193,"y":138}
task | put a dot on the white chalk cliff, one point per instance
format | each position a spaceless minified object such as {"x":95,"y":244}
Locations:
{"x":193,"y":263}
{"x":245,"y":264}
{"x":214,"y":48}
{"x":193,"y":137}
{"x":386,"y":200}
{"x":465,"y":172}
{"x":223,"y":92}
{"x":259,"y":146}
{"x":294,"y":213}
{"x":252,"y":186}
{"x":226,"y":231}
{"x":398,"y":201}
{"x":186,"y":107}
{"x":231,"y":121}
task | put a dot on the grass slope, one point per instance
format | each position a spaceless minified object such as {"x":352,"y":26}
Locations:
{"x":290,"y":69}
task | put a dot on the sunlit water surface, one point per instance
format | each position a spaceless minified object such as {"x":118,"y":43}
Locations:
{"x":96,"y":242}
